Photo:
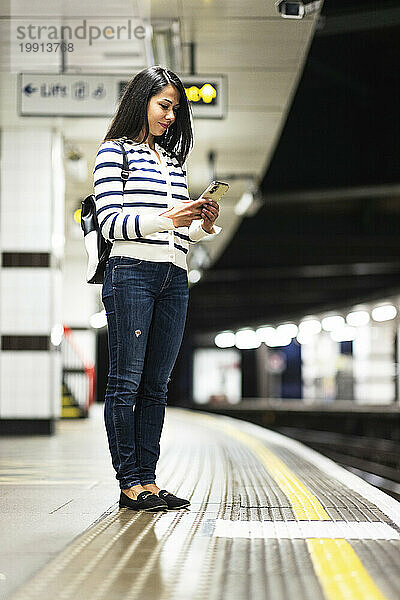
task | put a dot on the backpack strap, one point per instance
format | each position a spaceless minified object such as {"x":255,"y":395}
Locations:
{"x":125,"y":165}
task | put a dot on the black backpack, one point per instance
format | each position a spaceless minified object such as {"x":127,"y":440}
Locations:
{"x":97,"y":247}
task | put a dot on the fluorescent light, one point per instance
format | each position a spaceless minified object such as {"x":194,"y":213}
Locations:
{"x":225,"y":339}
{"x":332,"y":322}
{"x":310,"y":327}
{"x":384,"y":313}
{"x":287,"y":329}
{"x":358,"y":318}
{"x":244,"y":203}
{"x":275,"y":337}
{"x":265,"y":333}
{"x":246,"y":339}
{"x":194,"y":275}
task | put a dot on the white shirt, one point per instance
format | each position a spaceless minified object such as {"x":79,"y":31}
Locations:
{"x":131,"y":218}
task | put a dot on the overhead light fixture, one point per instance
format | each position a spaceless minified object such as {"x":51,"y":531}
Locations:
{"x":385,"y":312}
{"x":358,"y":318}
{"x":250,"y":201}
{"x":265,"y":332}
{"x":332,"y":322}
{"x":244,"y":203}
{"x":289,"y":329}
{"x":281,"y":336}
{"x":246,"y":339}
{"x":297,"y":9}
{"x":309,"y":327}
{"x":194,"y":275}
{"x":225,"y":339}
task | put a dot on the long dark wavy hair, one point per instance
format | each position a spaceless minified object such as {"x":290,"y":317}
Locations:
{"x":131,"y":115}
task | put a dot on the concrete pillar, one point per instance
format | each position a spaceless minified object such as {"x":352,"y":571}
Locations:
{"x":374,"y":363}
{"x":319,"y":367}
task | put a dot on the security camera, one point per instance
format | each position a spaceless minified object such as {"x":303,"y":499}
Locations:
{"x":297,"y":9}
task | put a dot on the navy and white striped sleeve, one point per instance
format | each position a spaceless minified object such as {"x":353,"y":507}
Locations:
{"x":108,"y":191}
{"x":196,"y":232}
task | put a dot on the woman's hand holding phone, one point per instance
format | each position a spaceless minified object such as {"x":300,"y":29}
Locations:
{"x":209,"y":213}
{"x":206,"y":208}
{"x":183,"y":213}
{"x":210,"y":210}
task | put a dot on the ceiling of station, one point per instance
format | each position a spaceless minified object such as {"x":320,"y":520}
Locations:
{"x":327,"y":235}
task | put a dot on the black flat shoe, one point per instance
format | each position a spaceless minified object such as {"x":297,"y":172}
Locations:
{"x":145,"y":501}
{"x":172,"y":501}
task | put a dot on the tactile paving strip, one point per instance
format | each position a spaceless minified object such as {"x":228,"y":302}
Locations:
{"x":262,"y":556}
{"x":340,"y":501}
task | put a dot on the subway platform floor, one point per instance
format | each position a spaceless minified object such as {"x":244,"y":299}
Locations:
{"x":269,"y":519}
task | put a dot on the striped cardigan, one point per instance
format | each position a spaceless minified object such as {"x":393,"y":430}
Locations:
{"x":131,"y":218}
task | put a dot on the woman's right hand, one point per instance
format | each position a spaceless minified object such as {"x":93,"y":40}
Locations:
{"x":183,"y":213}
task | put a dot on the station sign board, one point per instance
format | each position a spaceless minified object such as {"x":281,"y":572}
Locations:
{"x":67,"y":95}
{"x":97,"y":95}
{"x":208,"y":95}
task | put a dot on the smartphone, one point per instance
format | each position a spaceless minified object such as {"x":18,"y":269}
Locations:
{"x":215,"y":190}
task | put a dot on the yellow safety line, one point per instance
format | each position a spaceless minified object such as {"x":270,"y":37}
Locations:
{"x":305,"y":505}
{"x":339,"y":570}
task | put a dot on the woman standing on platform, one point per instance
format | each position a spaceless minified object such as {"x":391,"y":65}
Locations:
{"x":151,"y":223}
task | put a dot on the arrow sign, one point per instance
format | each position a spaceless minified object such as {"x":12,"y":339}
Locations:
{"x":28,"y":89}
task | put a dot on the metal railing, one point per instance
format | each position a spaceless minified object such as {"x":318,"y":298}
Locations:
{"x":79,"y":376}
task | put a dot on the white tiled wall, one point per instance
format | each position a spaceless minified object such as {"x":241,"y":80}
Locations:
{"x":26,"y":303}
{"x":31,"y":220}
{"x":26,"y":385}
{"x":26,"y":186}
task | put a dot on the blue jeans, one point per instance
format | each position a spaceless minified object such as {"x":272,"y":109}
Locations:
{"x":146,"y":305}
